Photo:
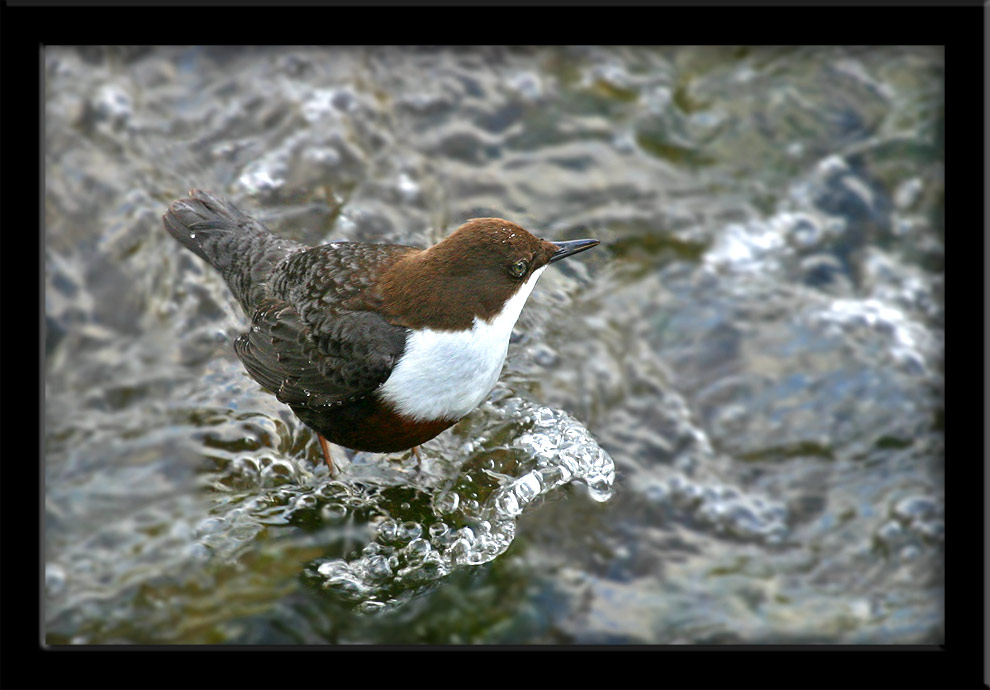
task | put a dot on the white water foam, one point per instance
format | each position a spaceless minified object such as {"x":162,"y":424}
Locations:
{"x":403,"y":557}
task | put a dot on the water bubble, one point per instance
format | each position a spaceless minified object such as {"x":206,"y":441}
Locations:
{"x":460,"y":551}
{"x":388,"y":530}
{"x":333,"y":512}
{"x":417,"y":550}
{"x":409,"y":530}
{"x":555,"y":449}
{"x":438,"y":530}
{"x":378,"y":567}
{"x":448,"y":503}
{"x":306,"y":501}
{"x":330,"y":568}
{"x":600,"y":488}
{"x":507,"y":504}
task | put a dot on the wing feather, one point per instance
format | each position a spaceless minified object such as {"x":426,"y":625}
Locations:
{"x":353,"y":355}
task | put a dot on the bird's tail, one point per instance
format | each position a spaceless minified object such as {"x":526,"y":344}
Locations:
{"x":243,"y":250}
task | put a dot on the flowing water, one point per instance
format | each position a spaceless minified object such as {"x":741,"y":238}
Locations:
{"x":722,"y":425}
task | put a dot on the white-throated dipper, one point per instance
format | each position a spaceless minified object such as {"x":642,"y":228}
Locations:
{"x":375,"y":347}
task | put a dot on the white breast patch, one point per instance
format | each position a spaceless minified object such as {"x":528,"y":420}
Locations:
{"x":446,"y":374}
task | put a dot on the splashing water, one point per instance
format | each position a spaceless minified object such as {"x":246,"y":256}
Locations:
{"x":467,"y":528}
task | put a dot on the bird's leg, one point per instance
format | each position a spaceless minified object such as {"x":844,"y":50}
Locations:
{"x":325,"y":447}
{"x":415,"y":450}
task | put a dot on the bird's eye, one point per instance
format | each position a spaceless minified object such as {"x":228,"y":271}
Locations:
{"x":518,"y":269}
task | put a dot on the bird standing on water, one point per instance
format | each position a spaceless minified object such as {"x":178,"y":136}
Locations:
{"x":375,"y":347}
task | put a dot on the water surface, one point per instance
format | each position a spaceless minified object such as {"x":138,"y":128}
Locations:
{"x":722,"y":425}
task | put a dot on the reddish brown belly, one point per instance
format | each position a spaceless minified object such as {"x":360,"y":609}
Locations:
{"x":370,"y":425}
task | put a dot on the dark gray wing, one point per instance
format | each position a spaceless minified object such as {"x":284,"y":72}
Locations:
{"x":355,"y":353}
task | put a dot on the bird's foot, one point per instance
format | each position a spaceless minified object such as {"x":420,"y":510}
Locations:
{"x":325,"y":447}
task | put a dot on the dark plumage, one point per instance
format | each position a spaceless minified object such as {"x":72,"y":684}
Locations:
{"x":313,"y":341}
{"x":330,"y":324}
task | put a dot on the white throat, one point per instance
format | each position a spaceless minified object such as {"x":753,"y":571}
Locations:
{"x":446,"y":374}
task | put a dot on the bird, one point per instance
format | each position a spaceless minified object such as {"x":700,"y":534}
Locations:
{"x":374,"y":347}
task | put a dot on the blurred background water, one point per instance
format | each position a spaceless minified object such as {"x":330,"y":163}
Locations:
{"x":723,"y":425}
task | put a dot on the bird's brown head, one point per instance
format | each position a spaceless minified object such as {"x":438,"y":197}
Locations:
{"x":471,"y":273}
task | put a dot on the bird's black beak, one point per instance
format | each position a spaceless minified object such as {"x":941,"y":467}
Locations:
{"x":565,"y":249}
